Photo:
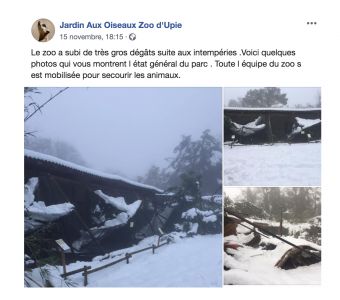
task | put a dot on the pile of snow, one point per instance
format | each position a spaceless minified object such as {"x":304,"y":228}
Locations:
{"x":189,"y":262}
{"x":36,"y":212}
{"x":40,"y":212}
{"x":248,"y":129}
{"x":248,"y":265}
{"x":305,"y":123}
{"x":120,"y":204}
{"x":275,"y":165}
{"x":128,"y":210}
{"x":192,"y":213}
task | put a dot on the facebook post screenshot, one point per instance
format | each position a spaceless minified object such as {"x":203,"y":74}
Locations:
{"x":166,"y":149}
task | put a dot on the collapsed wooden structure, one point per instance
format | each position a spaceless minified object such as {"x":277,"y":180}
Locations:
{"x":88,"y":229}
{"x":298,"y":255}
{"x":270,"y":125}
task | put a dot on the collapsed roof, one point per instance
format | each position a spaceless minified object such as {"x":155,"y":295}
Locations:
{"x":269,"y":125}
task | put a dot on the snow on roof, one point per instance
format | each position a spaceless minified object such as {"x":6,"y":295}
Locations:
{"x":119,"y":203}
{"x":67,"y":164}
{"x":307,"y":122}
{"x":288,"y":109}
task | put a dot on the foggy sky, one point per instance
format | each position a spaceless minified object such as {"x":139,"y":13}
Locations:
{"x":295,"y":95}
{"x":126,"y":130}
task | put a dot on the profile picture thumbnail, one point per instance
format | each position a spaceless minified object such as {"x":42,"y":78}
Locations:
{"x":43,"y":30}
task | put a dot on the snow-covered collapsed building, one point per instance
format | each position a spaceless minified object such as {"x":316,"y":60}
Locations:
{"x":270,"y":125}
{"x":254,"y":254}
{"x":91,"y":211}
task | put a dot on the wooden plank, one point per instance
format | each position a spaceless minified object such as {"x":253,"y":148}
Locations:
{"x":126,"y":258}
{"x":106,"y":266}
{"x":141,"y":250}
{"x":75,"y":271}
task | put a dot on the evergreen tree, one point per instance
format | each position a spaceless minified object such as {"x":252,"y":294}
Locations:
{"x":200,"y":159}
{"x":266,"y":97}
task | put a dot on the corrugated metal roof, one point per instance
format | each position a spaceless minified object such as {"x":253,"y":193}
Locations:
{"x":29,"y":154}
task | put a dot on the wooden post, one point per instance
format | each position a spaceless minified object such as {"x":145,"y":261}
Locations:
{"x":281,"y":221}
{"x":85,"y":276}
{"x":153,"y":248}
{"x":63,"y":261}
{"x":127,"y":256}
{"x":269,"y":128}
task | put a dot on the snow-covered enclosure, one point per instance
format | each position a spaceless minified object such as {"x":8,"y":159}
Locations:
{"x":121,"y":219}
{"x":188,"y":262}
{"x":128,"y":210}
{"x":36,"y":212}
{"x":249,"y":128}
{"x":304,"y":124}
{"x":67,"y":164}
{"x":120,"y":204}
{"x":248,"y":265}
{"x":307,"y":122}
{"x":273,"y":165}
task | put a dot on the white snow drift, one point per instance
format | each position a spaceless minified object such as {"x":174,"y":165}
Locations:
{"x":37,"y":211}
{"x":128,"y":210}
{"x":250,"y":265}
{"x":273,"y":165}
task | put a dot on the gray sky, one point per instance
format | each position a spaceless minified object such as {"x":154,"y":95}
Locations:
{"x":127,"y":129}
{"x":295,"y":95}
{"x":233,"y":192}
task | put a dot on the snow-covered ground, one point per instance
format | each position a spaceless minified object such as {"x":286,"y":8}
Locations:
{"x":250,"y":265}
{"x":273,"y":165}
{"x":188,"y":262}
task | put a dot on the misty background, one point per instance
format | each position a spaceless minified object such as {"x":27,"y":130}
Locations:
{"x":298,"y":204}
{"x":125,"y":131}
{"x":293,"y":97}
